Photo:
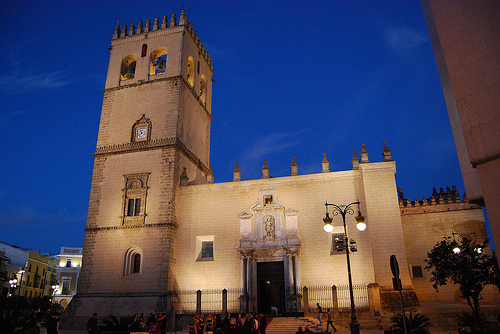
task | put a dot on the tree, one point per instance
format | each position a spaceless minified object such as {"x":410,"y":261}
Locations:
{"x":465,"y":264}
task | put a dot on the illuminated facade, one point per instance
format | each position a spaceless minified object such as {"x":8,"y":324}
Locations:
{"x":35,"y":273}
{"x":158,"y":225}
{"x":68,"y":273}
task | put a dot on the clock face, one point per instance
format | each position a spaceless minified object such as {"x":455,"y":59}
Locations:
{"x":141,"y":133}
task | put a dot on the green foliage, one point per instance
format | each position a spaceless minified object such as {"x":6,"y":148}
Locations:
{"x":112,"y":324}
{"x":418,"y":322}
{"x":475,"y":322}
{"x":471,"y":268}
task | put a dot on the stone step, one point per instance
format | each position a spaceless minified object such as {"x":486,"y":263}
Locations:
{"x":291,"y":324}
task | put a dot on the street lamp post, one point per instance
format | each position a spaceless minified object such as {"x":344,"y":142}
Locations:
{"x":20,"y":281}
{"x":343,"y":210}
{"x":12,"y":285}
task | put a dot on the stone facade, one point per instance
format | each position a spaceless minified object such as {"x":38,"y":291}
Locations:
{"x":466,"y":45}
{"x":159,"y":227}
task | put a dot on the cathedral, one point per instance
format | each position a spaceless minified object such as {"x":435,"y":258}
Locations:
{"x":161,"y":236}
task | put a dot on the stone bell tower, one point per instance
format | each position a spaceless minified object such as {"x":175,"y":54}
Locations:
{"x":154,"y":136}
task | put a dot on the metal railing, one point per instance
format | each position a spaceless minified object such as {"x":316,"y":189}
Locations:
{"x":324,"y":296}
{"x":211,"y":300}
{"x":185,"y":301}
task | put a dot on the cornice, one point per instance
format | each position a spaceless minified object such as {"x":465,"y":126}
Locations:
{"x":146,"y":82}
{"x":110,"y":228}
{"x":129,"y":147}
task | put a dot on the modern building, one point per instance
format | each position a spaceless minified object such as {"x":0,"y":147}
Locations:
{"x":68,"y":273}
{"x":161,"y":236}
{"x":466,"y":42}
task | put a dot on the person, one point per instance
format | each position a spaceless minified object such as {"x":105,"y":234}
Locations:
{"x":92,"y":324}
{"x":193,"y":323}
{"x":239,"y":323}
{"x":300,"y":331}
{"x":201,"y":324}
{"x":151,"y":323}
{"x":329,"y":320}
{"x":226,"y":324}
{"x":262,"y":324}
{"x":255,"y":324}
{"x":142,"y":322}
{"x":218,"y":324}
{"x":320,"y":315}
{"x":209,"y":323}
{"x":161,"y":324}
{"x":51,"y":326}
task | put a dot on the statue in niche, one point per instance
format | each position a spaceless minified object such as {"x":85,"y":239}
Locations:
{"x":269,"y":227}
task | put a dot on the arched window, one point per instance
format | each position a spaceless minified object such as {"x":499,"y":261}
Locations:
{"x":190,"y":71}
{"x":134,"y":199}
{"x":136,"y":265}
{"x":144,"y":50}
{"x":132,"y":261}
{"x":158,"y":63}
{"x":128,"y":67}
{"x":203,"y":89}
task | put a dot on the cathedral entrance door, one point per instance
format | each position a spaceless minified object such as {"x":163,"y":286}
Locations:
{"x":270,"y":286}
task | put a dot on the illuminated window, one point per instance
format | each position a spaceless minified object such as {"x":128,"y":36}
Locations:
{"x":158,"y":62}
{"x":66,"y":287}
{"x":161,"y":64}
{"x":128,"y":67}
{"x":190,"y":71}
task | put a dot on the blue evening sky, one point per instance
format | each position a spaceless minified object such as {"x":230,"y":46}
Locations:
{"x":293,"y":78}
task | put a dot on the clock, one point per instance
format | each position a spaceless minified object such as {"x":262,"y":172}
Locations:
{"x":141,"y":133}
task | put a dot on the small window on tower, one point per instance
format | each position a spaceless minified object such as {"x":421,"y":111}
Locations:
{"x":128,"y":67}
{"x":161,"y":64}
{"x":68,"y":262}
{"x":134,"y":207}
{"x":132,"y":261}
{"x":190,"y":71}
{"x":203,"y":89}
{"x":134,"y":199}
{"x":158,"y":62}
{"x":137,"y":263}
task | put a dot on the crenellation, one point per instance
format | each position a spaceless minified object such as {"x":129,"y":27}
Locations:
{"x":132,"y":29}
{"x":156,"y":24}
{"x":438,"y":202}
{"x":183,"y":21}
{"x":164,"y":24}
